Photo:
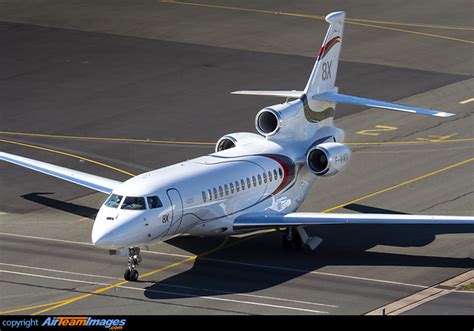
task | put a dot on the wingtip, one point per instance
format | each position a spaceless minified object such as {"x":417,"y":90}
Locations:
{"x":444,"y":114}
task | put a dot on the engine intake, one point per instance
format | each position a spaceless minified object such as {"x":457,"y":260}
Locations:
{"x":268,"y":122}
{"x":236,"y":139}
{"x":328,"y":159}
{"x":225,"y":143}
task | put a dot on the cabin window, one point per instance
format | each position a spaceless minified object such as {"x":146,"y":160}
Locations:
{"x":265,"y":178}
{"x":242,"y":183}
{"x":134,"y":203}
{"x":275,"y":174}
{"x":221,"y":191}
{"x":154,"y":202}
{"x":114,"y":201}
{"x":280,"y":172}
{"x":204,"y":198}
{"x":259,"y":179}
{"x":231,"y":188}
{"x":248,"y":183}
{"x":226,"y":189}
{"x":270,"y":176}
{"x":254,"y":180}
{"x":237,"y":186}
{"x":215,"y":193}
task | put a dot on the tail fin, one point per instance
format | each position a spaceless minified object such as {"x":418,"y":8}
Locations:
{"x":323,"y":76}
{"x":320,"y":94}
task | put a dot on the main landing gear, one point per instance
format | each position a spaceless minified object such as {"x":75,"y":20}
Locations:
{"x":292,"y":239}
{"x":134,"y":260}
{"x":297,"y":237}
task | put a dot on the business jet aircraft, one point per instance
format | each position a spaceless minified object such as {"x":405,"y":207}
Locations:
{"x":252,"y":181}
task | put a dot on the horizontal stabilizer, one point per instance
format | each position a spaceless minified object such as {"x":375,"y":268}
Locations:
{"x":94,"y":182}
{"x":349,"y":99}
{"x":275,"y":220}
{"x":284,"y":94}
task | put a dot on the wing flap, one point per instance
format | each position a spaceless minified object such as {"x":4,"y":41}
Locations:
{"x":275,"y":220}
{"x":94,"y":182}
{"x":349,"y":99}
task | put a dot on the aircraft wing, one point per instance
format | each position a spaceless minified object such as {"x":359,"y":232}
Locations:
{"x":285,"y":94}
{"x":349,"y":99}
{"x":94,"y":182}
{"x":276,"y":220}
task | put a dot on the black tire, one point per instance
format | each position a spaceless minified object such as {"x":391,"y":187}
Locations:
{"x":133,"y":276}
{"x":126,"y":275}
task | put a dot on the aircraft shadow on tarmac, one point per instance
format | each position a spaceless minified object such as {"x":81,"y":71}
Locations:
{"x":343,"y":245}
{"x":39,"y":197}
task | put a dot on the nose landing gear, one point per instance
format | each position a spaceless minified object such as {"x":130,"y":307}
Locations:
{"x":134,"y":260}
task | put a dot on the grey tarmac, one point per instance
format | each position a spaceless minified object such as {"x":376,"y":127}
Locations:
{"x":163,"y":71}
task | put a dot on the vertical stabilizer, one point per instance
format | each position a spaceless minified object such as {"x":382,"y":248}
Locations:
{"x":323,"y":76}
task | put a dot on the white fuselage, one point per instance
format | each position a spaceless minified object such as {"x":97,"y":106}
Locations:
{"x":203,"y":196}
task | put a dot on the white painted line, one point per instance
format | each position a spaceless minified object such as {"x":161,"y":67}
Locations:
{"x":55,"y":278}
{"x":236,"y":263}
{"x":251,"y":295}
{"x":466,"y":101}
{"x":315,"y":272}
{"x":48,"y":239}
{"x":416,"y":299}
{"x":464,"y":291}
{"x":58,"y":271}
{"x":177,"y":286}
{"x":173,"y":293}
{"x":227,"y":300}
{"x":167,"y":254}
{"x":82,"y":243}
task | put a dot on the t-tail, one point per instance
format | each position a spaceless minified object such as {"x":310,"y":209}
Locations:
{"x":320,"y":93}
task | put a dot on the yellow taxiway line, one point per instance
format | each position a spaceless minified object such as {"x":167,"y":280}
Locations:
{"x":67,"y":154}
{"x":348,"y":20}
{"x":30,"y":308}
{"x":104,"y":289}
{"x":173,"y":142}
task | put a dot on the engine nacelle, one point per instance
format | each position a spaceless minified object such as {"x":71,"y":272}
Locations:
{"x":328,"y":159}
{"x":236,"y":139}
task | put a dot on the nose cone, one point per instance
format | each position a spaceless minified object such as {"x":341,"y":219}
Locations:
{"x":102,"y":235}
{"x":125,"y":230}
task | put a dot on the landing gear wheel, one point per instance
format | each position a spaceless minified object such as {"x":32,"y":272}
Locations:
{"x":292,"y":239}
{"x":134,"y":260}
{"x":126,"y":275}
{"x":133,"y":276}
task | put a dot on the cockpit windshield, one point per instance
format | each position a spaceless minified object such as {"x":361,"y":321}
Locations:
{"x":114,"y":201}
{"x":154,"y":202}
{"x":134,"y":203}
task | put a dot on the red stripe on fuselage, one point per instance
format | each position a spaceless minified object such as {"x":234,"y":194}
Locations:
{"x":288,"y":174}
